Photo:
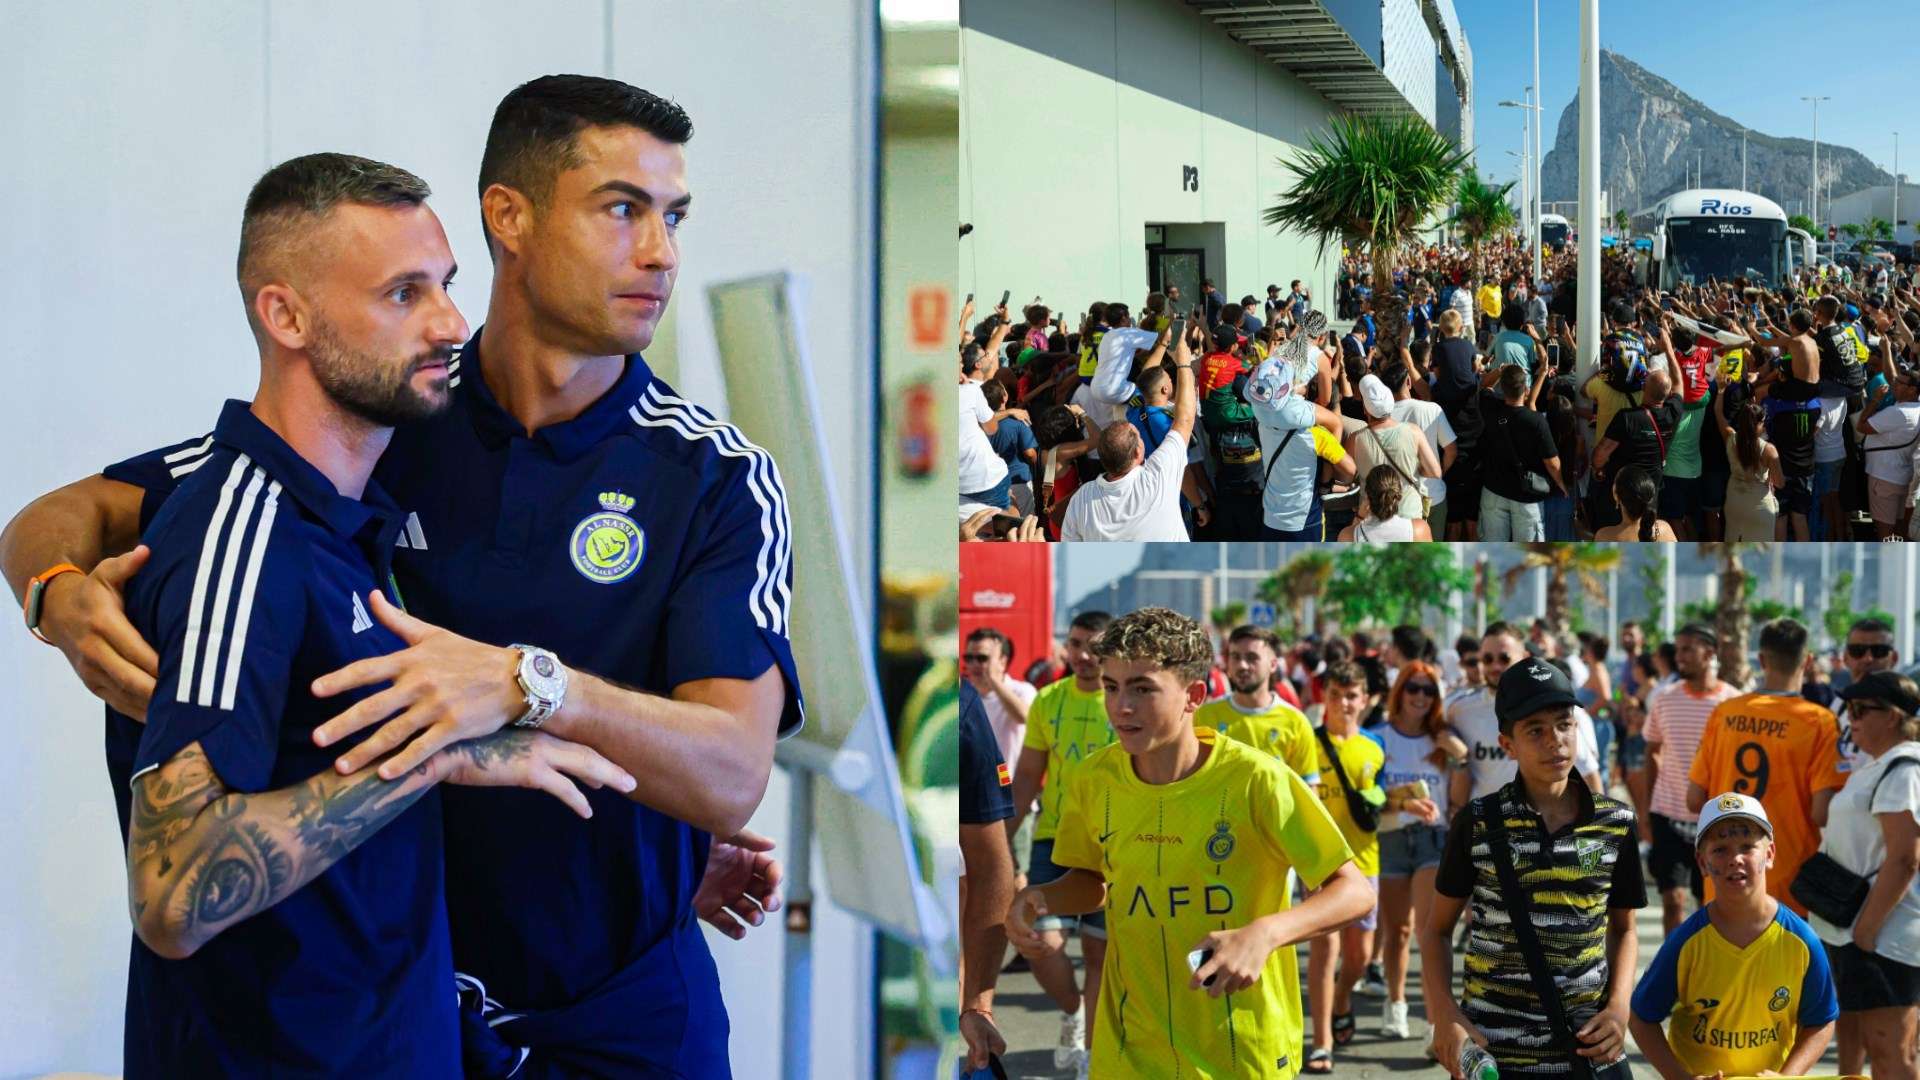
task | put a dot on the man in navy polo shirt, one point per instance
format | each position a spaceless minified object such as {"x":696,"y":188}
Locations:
{"x":299,"y":910}
{"x":570,"y":498}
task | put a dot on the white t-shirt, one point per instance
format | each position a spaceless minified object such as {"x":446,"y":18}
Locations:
{"x":1472,"y":716}
{"x":1894,"y":426}
{"x":1829,"y":436}
{"x":1142,"y":505}
{"x":1008,"y":729}
{"x":1407,"y":762}
{"x":1432,"y":422}
{"x":1853,"y":838}
{"x":980,"y":467}
{"x":1463,"y":303}
{"x":1852,"y":758}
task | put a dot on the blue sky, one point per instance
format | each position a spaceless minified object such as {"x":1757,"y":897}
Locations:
{"x":1746,"y":60}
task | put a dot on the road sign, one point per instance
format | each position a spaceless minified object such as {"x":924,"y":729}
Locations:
{"x":1260,"y":614}
{"x":1832,"y":232}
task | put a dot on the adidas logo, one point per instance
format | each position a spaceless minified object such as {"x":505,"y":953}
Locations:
{"x":361,"y":620}
{"x":410,"y":535}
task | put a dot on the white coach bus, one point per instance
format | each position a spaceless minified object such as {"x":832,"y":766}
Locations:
{"x":1719,"y":233}
{"x":1554,"y":231}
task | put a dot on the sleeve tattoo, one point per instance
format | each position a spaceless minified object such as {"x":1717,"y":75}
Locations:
{"x":201,"y":857}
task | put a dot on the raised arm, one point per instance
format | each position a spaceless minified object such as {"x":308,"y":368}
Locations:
{"x":1185,"y":400}
{"x":201,"y":857}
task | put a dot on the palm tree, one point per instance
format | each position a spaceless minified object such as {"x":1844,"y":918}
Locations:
{"x":1304,"y":578}
{"x":1481,"y":211}
{"x":1732,"y":620}
{"x":1228,"y":616}
{"x":1584,"y":561}
{"x":1851,"y":231}
{"x":1370,"y":180}
{"x":1620,"y":220}
{"x":1801,"y":222}
{"x":1878,"y":229}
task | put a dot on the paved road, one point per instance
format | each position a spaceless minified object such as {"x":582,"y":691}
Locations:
{"x":1031,"y":1025}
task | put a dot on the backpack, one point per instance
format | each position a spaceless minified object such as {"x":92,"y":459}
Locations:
{"x":1623,"y":361}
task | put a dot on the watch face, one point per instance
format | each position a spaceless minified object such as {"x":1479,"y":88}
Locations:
{"x":543,"y":666}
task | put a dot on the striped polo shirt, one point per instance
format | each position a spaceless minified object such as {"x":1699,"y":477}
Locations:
{"x":1676,"y":719}
{"x":1572,"y":878}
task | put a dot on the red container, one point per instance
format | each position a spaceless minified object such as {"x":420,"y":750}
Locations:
{"x":1010,"y":588}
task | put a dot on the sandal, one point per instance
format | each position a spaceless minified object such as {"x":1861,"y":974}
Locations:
{"x":1319,"y":1063}
{"x":1343,"y":1028}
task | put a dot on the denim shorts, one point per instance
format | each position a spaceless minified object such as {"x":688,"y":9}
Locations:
{"x":1043,"y":870}
{"x":1410,"y":848}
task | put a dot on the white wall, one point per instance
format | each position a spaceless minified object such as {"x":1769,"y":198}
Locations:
{"x":1076,"y":119}
{"x":132,"y":135}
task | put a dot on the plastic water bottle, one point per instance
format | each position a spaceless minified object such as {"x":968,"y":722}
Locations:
{"x":1476,"y":1063}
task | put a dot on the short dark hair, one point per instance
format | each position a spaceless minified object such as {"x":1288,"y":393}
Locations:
{"x":1466,"y":643}
{"x":1117,"y":311}
{"x":988,"y":633}
{"x":1094,"y":621}
{"x":1345,"y":673}
{"x":1411,"y":641}
{"x":1501,"y":628}
{"x":1395,"y":374}
{"x":1256,"y":633}
{"x":995,"y":392}
{"x":1513,"y":382}
{"x":1783,"y":644}
{"x":1513,"y":317}
{"x":303,"y":190}
{"x":535,"y":128}
{"x":1869,"y":626}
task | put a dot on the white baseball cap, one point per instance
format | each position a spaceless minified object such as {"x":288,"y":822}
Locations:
{"x":1731,"y":805}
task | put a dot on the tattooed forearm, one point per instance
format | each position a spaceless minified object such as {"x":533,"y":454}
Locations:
{"x":200,"y":857}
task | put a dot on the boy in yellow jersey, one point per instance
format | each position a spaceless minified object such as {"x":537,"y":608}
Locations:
{"x":1743,"y":984}
{"x":1252,"y":713}
{"x":1361,"y":759}
{"x":1066,"y":722}
{"x":1186,"y":839}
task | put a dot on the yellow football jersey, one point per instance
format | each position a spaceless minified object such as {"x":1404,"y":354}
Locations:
{"x":1363,"y":758}
{"x":1068,"y":723}
{"x":1208,"y":852}
{"x":1281,"y":730}
{"x":1737,"y":1010}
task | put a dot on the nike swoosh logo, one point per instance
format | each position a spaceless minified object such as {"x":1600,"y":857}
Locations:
{"x":1104,"y":837}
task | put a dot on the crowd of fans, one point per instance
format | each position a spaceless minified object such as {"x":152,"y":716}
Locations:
{"x":1729,"y":410}
{"x":1748,"y":808}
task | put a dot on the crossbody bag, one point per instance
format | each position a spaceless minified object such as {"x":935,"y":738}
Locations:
{"x":1520,"y":913}
{"x":1829,"y":889}
{"x":1361,"y":805}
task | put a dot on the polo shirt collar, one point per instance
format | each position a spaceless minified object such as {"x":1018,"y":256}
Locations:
{"x":1515,"y":797}
{"x":240,"y":429}
{"x":566,"y":440}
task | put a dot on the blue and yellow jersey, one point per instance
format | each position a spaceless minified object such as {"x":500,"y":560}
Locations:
{"x":1737,"y":1010}
{"x":1068,"y":723}
{"x":1207,"y":852}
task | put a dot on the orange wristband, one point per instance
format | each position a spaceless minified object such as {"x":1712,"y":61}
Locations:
{"x":36,"y":594}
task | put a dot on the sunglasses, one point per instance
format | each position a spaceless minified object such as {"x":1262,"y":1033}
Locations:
{"x":1497,"y":658}
{"x":1878,"y":652}
{"x":977,"y":658}
{"x":1469,"y":661}
{"x":1420,"y":688}
{"x":1863,"y":706}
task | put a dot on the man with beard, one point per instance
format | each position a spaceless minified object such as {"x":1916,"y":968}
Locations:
{"x":1676,"y":717}
{"x":571,"y":498}
{"x":291,"y":917}
{"x":1252,"y":713}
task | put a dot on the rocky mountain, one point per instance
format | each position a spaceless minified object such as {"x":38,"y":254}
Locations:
{"x":1651,"y":131}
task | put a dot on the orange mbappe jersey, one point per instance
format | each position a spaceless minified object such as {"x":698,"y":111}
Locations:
{"x":1779,"y":749}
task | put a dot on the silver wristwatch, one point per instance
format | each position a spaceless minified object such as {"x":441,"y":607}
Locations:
{"x":544,"y":680}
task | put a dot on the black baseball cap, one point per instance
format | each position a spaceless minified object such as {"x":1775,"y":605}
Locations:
{"x":1528,"y":687}
{"x":1882,"y":686}
{"x":1700,"y":630}
{"x":1226,"y":337}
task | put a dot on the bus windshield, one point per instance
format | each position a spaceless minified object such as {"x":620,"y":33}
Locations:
{"x":1553,"y":234}
{"x":1724,"y":248}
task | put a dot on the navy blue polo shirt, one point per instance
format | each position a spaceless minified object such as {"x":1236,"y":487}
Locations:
{"x":986,"y":788}
{"x":256,"y":585}
{"x":643,"y":541}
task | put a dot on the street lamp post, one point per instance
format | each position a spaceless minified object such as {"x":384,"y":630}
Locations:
{"x":1589,"y":266}
{"x":1531,"y":152}
{"x":1813,"y":190}
{"x":1540,"y":149}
